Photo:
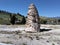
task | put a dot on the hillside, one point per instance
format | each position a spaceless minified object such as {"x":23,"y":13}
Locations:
{"x":49,"y":20}
{"x":5,"y":17}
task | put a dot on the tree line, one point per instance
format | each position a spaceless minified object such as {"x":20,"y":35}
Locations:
{"x":20,"y":19}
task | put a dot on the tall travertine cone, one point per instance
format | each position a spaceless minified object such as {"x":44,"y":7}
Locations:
{"x":32,"y":22}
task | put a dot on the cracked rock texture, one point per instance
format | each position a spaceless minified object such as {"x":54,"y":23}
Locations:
{"x":32,"y":22}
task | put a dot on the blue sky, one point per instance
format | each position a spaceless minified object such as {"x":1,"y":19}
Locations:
{"x":49,"y":8}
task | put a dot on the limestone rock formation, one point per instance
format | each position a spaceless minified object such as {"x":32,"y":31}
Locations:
{"x":32,"y":22}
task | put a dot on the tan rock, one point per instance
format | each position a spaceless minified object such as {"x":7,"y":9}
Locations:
{"x":32,"y":22}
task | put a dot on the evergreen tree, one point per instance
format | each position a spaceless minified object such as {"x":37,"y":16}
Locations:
{"x":13,"y":19}
{"x":23,"y":20}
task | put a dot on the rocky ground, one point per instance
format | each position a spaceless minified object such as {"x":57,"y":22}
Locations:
{"x":15,"y":35}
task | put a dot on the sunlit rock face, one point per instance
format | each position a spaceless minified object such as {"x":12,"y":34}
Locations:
{"x":32,"y":22}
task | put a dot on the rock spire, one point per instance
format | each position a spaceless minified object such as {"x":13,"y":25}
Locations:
{"x":32,"y":21}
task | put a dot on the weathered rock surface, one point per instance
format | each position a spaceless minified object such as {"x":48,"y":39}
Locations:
{"x":32,"y":22}
{"x":51,"y":37}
